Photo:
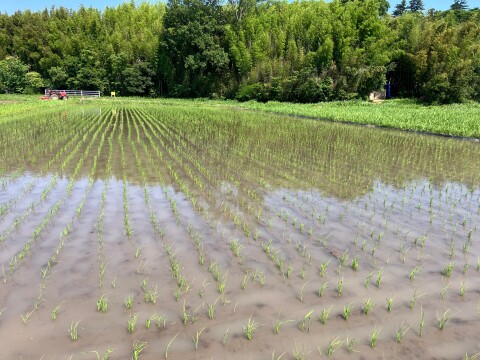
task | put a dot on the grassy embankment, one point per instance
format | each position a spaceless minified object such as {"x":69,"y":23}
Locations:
{"x":453,"y":120}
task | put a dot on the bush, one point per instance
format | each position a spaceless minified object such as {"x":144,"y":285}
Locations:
{"x":257,"y":91}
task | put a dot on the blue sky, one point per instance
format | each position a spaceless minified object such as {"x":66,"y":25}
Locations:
{"x":10,"y":6}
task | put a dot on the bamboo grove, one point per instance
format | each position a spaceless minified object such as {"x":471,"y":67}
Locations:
{"x":304,"y":51}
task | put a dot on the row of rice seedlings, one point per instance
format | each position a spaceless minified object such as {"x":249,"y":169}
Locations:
{"x":379,"y":275}
{"x":100,"y":221}
{"x":4,"y":208}
{"x":8,"y":205}
{"x":65,"y":235}
{"x":150,"y":293}
{"x":30,"y":209}
{"x":126,"y":218}
{"x":11,"y":177}
{"x":183,"y":284}
{"x":214,"y":268}
{"x":22,"y":254}
{"x":234,"y":247}
{"x":378,"y":280}
{"x":35,"y":147}
{"x":158,"y":171}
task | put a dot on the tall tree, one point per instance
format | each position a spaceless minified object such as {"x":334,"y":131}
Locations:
{"x":193,"y":42}
{"x":459,"y":5}
{"x":12,"y":75}
{"x":416,"y":6}
{"x":383,"y":5}
{"x":400,"y":8}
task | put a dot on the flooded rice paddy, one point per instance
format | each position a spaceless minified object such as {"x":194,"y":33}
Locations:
{"x":191,"y":233}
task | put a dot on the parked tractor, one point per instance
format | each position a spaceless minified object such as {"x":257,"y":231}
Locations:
{"x":55,"y":95}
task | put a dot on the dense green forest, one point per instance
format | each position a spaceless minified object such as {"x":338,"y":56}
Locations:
{"x":302,"y":51}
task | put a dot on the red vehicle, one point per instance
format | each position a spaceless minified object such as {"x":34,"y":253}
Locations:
{"x":55,"y":95}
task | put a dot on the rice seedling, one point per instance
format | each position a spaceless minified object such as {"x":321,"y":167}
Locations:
{"x":367,"y":306}
{"x":344,"y":258}
{"x":333,"y":345}
{"x":340,"y":287}
{"x":442,"y":320}
{"x":422,"y":322}
{"x":225,"y":336}
{"x":413,"y":273}
{"x":131,"y":323}
{"x":278,"y":325}
{"x":105,"y":355}
{"x":303,"y":273}
{"x":221,"y":285}
{"x":306,"y":322}
{"x":185,"y":315}
{"x":325,"y":314}
{"x":196,"y":338}
{"x":54,"y":313}
{"x":367,"y":280}
{"x":246,"y":277}
{"x":322,"y":288}
{"x":151,"y":295}
{"x":400,"y":332}
{"x":259,"y":277}
{"x":298,"y":354}
{"x":351,"y":344}
{"x":102,"y":303}
{"x":448,"y":269}
{"x":138,"y":347}
{"x":379,"y":277}
{"x":289,"y":271}
{"x":101,"y":273}
{"x":463,"y":288}
{"x":374,"y":337}
{"x":211,"y":308}
{"x":347,"y":311}
{"x":250,"y":327}
{"x":414,"y":299}
{"x":323,"y":268}
{"x":389,"y":303}
{"x":128,"y":302}
{"x":161,"y":322}
{"x":355,"y":264}
{"x":73,"y":330}
{"x":236,"y":247}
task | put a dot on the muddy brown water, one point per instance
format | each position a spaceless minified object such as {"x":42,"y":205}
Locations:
{"x":248,"y":208}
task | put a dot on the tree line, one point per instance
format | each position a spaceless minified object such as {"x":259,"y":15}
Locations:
{"x":302,"y":51}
